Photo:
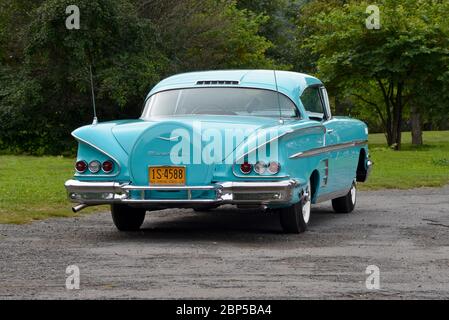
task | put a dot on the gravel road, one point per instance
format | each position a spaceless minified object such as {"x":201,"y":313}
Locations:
{"x":225,"y":254}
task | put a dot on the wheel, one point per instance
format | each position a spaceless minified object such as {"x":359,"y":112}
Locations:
{"x":127,"y":218}
{"x":347,"y":203}
{"x":295,"y":219}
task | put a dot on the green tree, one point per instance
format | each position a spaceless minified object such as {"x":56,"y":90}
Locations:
{"x":279,"y":28}
{"x":50,"y":94}
{"x":412,"y":43}
{"x":131,"y":44}
{"x":208,"y":34}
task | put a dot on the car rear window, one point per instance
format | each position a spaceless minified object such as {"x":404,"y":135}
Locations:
{"x":220,"y":101}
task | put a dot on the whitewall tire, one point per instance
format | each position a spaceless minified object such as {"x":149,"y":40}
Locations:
{"x":347,"y":203}
{"x":296,"y":218}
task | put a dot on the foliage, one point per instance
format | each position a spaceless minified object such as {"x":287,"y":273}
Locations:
{"x":208,"y":34}
{"x":411,"y":46}
{"x":375,"y":75}
{"x":279,"y":28}
{"x":47,"y":93}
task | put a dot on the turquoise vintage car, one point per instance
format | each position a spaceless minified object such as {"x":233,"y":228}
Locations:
{"x":259,"y":139}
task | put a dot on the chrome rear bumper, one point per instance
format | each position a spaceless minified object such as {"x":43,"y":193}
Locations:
{"x":251,"y":193}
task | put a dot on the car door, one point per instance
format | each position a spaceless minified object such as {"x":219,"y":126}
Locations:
{"x":316,"y":104}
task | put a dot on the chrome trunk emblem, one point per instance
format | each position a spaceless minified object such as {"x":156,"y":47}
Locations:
{"x":170,"y":138}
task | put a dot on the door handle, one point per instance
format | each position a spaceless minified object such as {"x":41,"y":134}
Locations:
{"x":329,"y":131}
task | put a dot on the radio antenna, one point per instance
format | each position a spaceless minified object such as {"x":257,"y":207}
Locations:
{"x":278,"y":96}
{"x":95,"y":121}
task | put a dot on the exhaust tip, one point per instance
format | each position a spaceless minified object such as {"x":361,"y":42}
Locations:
{"x":79,"y":207}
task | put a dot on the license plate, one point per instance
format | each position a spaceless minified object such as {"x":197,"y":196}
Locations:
{"x":167,"y":175}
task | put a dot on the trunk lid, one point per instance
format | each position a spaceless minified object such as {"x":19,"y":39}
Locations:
{"x":159,"y":143}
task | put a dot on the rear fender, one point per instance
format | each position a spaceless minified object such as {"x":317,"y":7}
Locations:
{"x":96,"y":142}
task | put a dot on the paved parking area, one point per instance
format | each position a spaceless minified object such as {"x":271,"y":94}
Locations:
{"x":225,"y":254}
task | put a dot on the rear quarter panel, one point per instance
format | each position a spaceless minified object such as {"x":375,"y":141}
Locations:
{"x":303,"y":138}
{"x":96,"y":142}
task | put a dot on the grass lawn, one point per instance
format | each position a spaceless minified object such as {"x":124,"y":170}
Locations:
{"x":31,"y":188}
{"x":412,"y":167}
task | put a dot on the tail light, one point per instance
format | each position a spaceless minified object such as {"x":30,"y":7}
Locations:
{"x":274,"y":167}
{"x":81,"y":166}
{"x":108,"y":166}
{"x":246,"y":168}
{"x":94,"y":166}
{"x":260,"y":167}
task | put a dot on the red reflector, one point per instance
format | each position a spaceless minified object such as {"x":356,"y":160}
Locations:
{"x":108,"y":166}
{"x":246,"y":167}
{"x":81,"y":166}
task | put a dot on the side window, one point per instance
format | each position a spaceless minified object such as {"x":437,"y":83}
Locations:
{"x":311,"y":99}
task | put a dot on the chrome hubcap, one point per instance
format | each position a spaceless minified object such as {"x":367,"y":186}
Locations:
{"x":353,"y":194}
{"x":306,"y":205}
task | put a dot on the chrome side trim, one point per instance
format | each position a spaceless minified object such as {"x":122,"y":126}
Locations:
{"x":335,"y":147}
{"x":105,"y":153}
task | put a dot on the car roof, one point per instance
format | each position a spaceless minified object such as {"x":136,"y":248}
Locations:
{"x":292,"y":84}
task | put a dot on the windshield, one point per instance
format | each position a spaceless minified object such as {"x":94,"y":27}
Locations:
{"x":220,"y":101}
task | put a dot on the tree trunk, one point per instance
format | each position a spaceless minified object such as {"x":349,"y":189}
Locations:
{"x":395,"y":143}
{"x":393,"y":108}
{"x":415,"y":119}
{"x":398,"y":106}
{"x":397,"y":127}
